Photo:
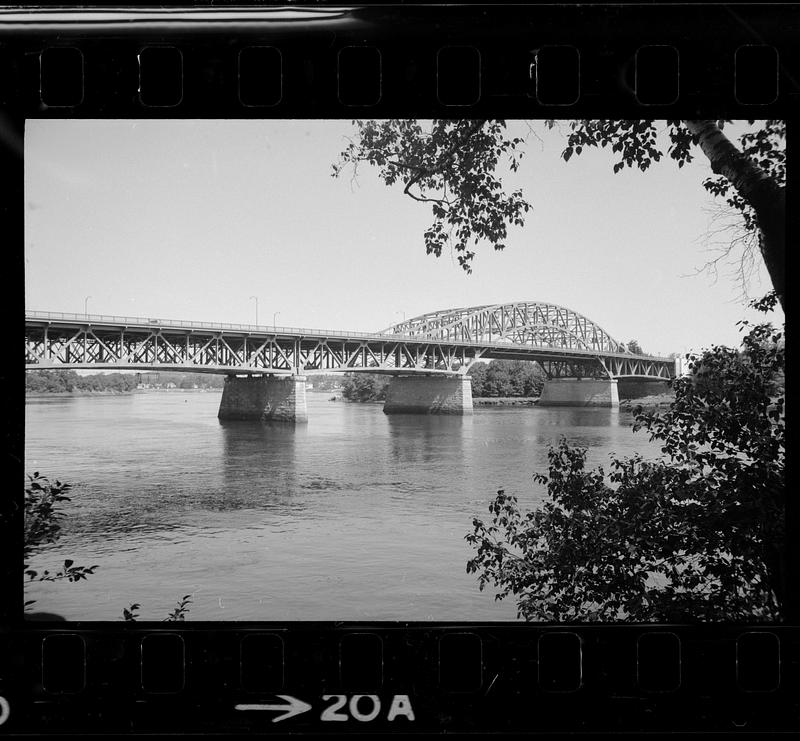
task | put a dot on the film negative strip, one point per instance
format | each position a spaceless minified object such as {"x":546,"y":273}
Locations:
{"x":360,"y":647}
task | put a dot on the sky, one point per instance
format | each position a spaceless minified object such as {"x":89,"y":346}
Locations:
{"x":187,"y":219}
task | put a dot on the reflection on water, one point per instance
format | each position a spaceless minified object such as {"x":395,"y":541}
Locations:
{"x":259,"y":466}
{"x":440,"y":441}
{"x":355,"y":516}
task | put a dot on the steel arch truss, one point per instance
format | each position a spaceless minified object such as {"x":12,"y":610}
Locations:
{"x":530,"y":323}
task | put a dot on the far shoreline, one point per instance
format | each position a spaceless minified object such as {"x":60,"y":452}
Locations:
{"x":504,"y":401}
{"x":104,"y":392}
{"x":113,"y":392}
{"x":657,"y":401}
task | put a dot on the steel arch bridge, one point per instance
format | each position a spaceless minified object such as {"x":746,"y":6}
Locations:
{"x":566,"y":344}
{"x":544,"y":328}
{"x":524,"y":323}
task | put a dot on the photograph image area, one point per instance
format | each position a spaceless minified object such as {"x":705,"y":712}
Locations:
{"x":414,"y":370}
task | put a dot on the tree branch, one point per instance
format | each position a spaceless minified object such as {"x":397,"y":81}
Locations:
{"x":757,"y":188}
{"x":446,"y":156}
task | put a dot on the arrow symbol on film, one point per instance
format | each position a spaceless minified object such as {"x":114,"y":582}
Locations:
{"x":295,"y":707}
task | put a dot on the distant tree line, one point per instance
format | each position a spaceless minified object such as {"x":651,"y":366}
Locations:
{"x":54,"y":381}
{"x":326,"y":382}
{"x":365,"y":387}
{"x":499,"y":378}
{"x":507,"y":378}
{"x":183,"y":380}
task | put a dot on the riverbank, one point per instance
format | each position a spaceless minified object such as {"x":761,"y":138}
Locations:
{"x":504,"y":401}
{"x":116,"y":392}
{"x":81,"y":392}
{"x":657,"y":401}
{"x":480,"y":401}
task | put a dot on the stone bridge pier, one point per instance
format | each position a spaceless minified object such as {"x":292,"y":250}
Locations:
{"x":265,"y":397}
{"x":432,"y":394}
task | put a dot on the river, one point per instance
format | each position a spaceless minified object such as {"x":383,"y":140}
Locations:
{"x":355,"y":516}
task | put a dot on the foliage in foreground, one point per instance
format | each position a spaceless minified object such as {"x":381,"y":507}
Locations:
{"x":42,"y":526}
{"x":131,"y":613}
{"x":697,"y":535}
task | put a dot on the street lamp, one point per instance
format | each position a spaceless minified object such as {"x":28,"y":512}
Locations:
{"x":86,"y":307}
{"x":255,"y":298}
{"x":274,"y":317}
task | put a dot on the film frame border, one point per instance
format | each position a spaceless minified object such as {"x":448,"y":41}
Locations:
{"x":619,"y":61}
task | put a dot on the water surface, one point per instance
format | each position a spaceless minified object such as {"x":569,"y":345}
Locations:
{"x":355,"y":516}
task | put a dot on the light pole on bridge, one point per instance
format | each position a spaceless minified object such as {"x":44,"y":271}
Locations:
{"x":274,"y":319}
{"x":86,"y":307}
{"x":255,"y":298}
{"x":404,"y":315}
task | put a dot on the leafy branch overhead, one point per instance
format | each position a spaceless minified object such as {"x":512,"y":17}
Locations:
{"x":457,"y":168}
{"x":453,"y":166}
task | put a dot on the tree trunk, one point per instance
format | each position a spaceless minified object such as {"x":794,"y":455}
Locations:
{"x":767,"y":198}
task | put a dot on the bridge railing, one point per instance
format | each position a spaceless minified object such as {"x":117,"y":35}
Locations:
{"x":181,"y":324}
{"x":143,"y":322}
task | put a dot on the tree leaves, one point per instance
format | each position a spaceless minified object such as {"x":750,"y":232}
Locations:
{"x":452,"y":166}
{"x":42,"y":520}
{"x":636,"y":141}
{"x":506,"y":378}
{"x":365,"y":387}
{"x":181,"y":609}
{"x":178,"y":614}
{"x":130,"y":614}
{"x":42,"y":525}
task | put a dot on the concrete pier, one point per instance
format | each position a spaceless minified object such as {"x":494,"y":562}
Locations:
{"x":580,"y":392}
{"x":429,"y":395}
{"x":264,"y":398}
